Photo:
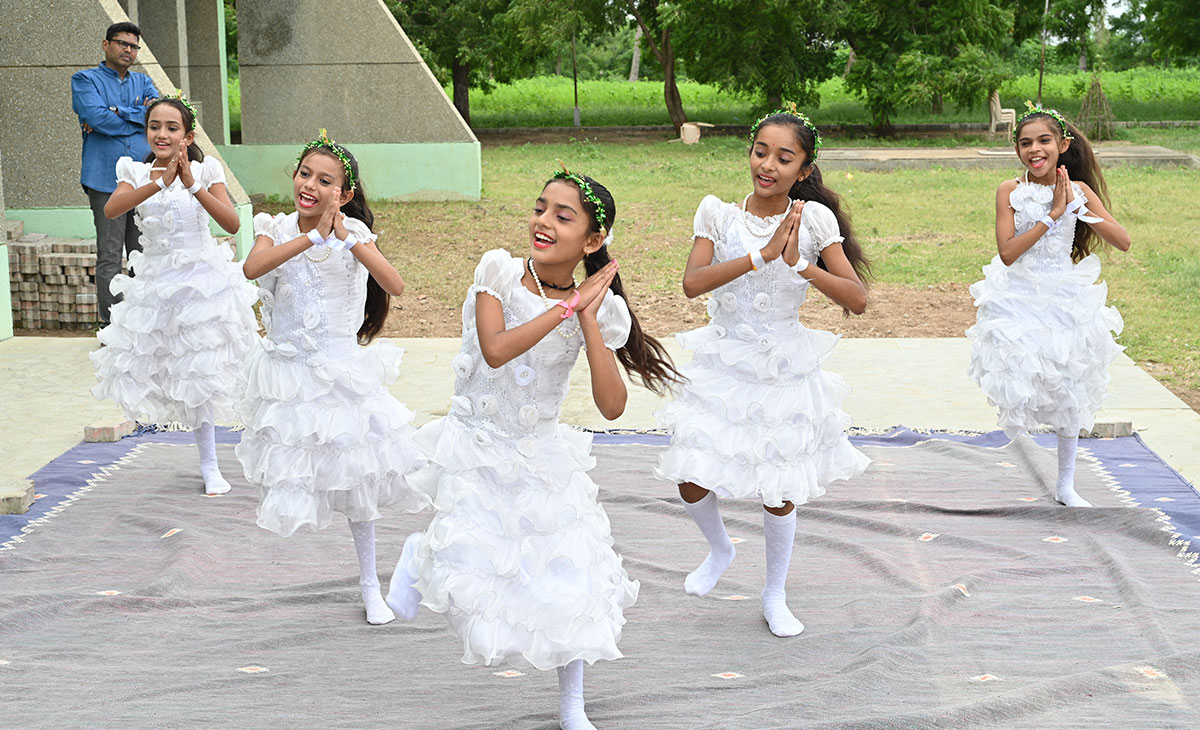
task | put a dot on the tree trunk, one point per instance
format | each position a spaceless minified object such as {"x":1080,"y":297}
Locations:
{"x":558,"y":64}
{"x":636,"y":66}
{"x":460,"y":74}
{"x":1083,"y":61}
{"x":670,"y":90}
{"x":938,"y":105}
{"x":775,"y":99}
{"x":849,"y":63}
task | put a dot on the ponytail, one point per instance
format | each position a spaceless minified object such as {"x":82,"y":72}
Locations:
{"x":813,"y":188}
{"x":1082,"y":165}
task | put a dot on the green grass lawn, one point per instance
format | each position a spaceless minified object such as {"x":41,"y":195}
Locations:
{"x":920,"y":228}
{"x":1136,"y":94}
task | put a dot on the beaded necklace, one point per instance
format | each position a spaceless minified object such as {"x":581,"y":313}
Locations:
{"x":763,"y":233}
{"x":565,"y":334}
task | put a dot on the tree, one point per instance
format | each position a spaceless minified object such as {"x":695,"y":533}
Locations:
{"x":656,"y":32}
{"x":923,"y":51}
{"x":1173,"y":26}
{"x":465,"y":39}
{"x":759,"y":46}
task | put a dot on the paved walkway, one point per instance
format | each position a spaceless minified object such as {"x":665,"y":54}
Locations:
{"x":1001,"y":157}
{"x":919,"y":383}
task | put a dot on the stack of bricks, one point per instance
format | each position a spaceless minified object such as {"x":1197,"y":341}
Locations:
{"x":53,"y":282}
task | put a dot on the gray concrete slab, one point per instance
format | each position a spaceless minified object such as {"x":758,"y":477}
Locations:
{"x":45,"y":401}
{"x":1000,"y":157}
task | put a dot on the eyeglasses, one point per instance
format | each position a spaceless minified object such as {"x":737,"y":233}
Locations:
{"x":126,"y":45}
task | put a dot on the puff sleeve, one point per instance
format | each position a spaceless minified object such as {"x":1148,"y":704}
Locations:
{"x":614,"y":320}
{"x":357,"y":231}
{"x":211,"y":172}
{"x":264,"y":225}
{"x":706,"y":224}
{"x":496,"y":274}
{"x":822,"y":225}
{"x":127,"y":171}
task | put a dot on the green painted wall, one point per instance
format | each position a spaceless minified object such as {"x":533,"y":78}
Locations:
{"x":77,"y":223}
{"x":425,"y":171}
{"x":6,"y":322}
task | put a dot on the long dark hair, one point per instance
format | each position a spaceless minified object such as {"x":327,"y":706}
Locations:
{"x":813,"y":188}
{"x":379,"y":302}
{"x":189,"y":121}
{"x":642,"y":355}
{"x":1082,"y":165}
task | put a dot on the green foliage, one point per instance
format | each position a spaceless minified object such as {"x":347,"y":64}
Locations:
{"x":231,"y":38}
{"x":760,"y":47}
{"x":234,"y":89}
{"x":1137,"y":94}
{"x":1173,"y":27}
{"x":925,"y":51}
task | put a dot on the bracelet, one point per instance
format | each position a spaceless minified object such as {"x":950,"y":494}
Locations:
{"x":159,"y":182}
{"x":339,"y":244}
{"x":315,"y":236}
{"x":756,"y":260}
{"x":568,"y":307}
{"x":195,"y":188}
{"x":801,"y":269}
{"x":1048,"y":222}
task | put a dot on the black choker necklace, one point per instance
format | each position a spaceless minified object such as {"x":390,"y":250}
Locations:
{"x":548,"y":284}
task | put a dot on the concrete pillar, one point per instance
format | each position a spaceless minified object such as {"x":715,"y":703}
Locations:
{"x":6,"y":321}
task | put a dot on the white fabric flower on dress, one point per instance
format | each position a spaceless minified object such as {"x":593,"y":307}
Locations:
{"x":745,"y":332}
{"x":461,"y":406}
{"x":283,"y":292}
{"x":777,"y":365}
{"x":1042,"y":194}
{"x":762,"y":301}
{"x":168,"y":220}
{"x":463,"y":364}
{"x":528,"y":415}
{"x":481,"y":438}
{"x":488,"y":405}
{"x":309,"y":342}
{"x":719,"y":331}
{"x":712,"y":307}
{"x":523,"y":375}
{"x":312,"y":317}
{"x":729,"y":301}
{"x":527,"y":447}
{"x":764,"y":344}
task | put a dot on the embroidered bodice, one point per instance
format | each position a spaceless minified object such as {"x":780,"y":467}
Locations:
{"x":766,"y":301}
{"x":171,"y":219}
{"x":524,"y":396}
{"x":1052,"y":252}
{"x":316,"y":297}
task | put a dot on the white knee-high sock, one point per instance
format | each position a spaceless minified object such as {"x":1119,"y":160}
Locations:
{"x":779,"y":534}
{"x":1064,"y":487}
{"x":206,"y":441}
{"x":368,"y":580}
{"x":570,"y":698}
{"x":707,"y":515}
{"x":402,"y":595}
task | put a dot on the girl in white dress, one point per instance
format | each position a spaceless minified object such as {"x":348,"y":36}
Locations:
{"x":176,"y":345}
{"x":519,"y":555}
{"x":758,"y":417}
{"x":1043,"y":337}
{"x":323,"y":434}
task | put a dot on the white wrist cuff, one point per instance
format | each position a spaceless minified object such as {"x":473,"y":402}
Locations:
{"x":315,"y":237}
{"x":195,"y":188}
{"x":757,"y":260}
{"x":161,"y":185}
{"x":802,"y":266}
{"x":1049,"y":222}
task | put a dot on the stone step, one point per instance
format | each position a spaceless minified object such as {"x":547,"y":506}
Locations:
{"x":16,"y":498}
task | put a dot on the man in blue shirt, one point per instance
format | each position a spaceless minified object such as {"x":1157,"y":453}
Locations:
{"x":111,"y":103}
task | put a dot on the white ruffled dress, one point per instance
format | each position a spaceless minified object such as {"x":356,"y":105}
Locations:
{"x":175,"y":347}
{"x":1043,"y":337}
{"x":758,"y":416}
{"x":323,"y":434}
{"x":519,"y":554}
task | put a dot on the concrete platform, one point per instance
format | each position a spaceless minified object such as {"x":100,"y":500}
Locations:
{"x":45,"y":403}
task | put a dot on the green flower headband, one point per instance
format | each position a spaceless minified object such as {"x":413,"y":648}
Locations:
{"x":791,"y":110}
{"x":588,"y":194}
{"x":1039,"y":109}
{"x":179,"y":97}
{"x":340,"y":152}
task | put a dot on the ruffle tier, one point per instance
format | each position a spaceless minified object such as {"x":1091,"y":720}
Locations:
{"x":325,"y":436}
{"x":759,"y":421}
{"x":1041,"y":345}
{"x":176,"y":346}
{"x":519,"y":554}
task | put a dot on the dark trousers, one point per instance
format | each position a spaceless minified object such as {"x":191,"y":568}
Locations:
{"x":113,"y":239}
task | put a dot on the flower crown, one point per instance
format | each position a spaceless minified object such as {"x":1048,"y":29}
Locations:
{"x":791,"y":110}
{"x":1039,"y":109}
{"x":340,"y":152}
{"x":588,"y":194}
{"x":179,"y":97}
